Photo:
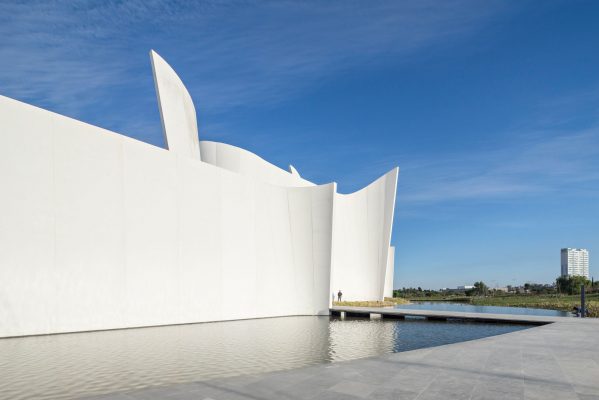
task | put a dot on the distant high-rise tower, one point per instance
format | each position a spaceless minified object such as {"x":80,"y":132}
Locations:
{"x":575,"y":262}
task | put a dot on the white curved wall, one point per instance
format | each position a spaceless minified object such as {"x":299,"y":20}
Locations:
{"x":101,"y":231}
{"x":390,"y":272}
{"x":362,"y":223}
{"x":246,"y":163}
{"x":177,"y":112}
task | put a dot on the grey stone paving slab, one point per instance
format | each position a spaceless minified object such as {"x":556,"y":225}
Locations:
{"x":359,"y":389}
{"x":554,"y":361}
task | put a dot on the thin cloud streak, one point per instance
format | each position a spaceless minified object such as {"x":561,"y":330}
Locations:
{"x":230,"y":54}
{"x":532,"y":166}
{"x":73,"y":58}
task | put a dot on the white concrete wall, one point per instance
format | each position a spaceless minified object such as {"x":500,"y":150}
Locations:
{"x":177,"y":111}
{"x":363,"y":221}
{"x":390,"y":272}
{"x":100,"y":231}
{"x":246,"y":163}
{"x":362,"y":225}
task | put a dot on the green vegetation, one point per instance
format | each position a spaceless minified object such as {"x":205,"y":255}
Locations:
{"x":416,"y":293}
{"x":572,"y":284}
{"x":564,"y":295}
{"x":480,"y":288}
{"x":551,"y":302}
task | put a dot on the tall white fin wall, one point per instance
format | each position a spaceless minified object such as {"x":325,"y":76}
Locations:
{"x":177,"y":112}
{"x":362,"y":226}
{"x":390,"y":272}
{"x":100,"y":231}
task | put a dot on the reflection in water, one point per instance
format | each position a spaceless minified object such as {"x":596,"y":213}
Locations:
{"x":71,"y":365}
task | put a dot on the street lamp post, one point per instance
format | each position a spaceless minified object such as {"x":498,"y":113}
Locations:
{"x":582,"y":302}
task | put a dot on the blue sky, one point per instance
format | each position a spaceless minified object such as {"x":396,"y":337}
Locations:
{"x":490,"y":108}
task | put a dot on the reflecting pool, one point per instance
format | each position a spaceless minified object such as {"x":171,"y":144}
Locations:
{"x":80,"y":364}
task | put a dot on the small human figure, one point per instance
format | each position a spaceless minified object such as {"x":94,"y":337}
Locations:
{"x":339,"y":294}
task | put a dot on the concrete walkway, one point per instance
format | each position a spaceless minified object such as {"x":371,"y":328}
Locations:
{"x":444,"y":315}
{"x":555,"y":361}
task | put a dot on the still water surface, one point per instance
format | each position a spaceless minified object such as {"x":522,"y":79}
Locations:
{"x":73,"y":365}
{"x":463,"y":307}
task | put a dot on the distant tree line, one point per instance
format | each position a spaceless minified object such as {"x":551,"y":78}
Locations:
{"x":572,"y":284}
{"x":563,"y":285}
{"x":480,"y":289}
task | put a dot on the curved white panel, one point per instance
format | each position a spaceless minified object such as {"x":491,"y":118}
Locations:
{"x":362,"y":225}
{"x":178,"y":114}
{"x":390,"y":272}
{"x":246,"y":163}
{"x":101,"y":231}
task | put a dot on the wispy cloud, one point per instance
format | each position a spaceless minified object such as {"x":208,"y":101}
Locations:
{"x":531,"y":165}
{"x":544,"y":156}
{"x":560,"y":111}
{"x":89,"y":60}
{"x":75,"y":57}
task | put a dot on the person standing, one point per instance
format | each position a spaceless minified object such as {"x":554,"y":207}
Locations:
{"x":339,"y":294}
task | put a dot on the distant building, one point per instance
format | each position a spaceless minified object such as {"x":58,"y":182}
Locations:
{"x":575,"y":262}
{"x":458,"y":289}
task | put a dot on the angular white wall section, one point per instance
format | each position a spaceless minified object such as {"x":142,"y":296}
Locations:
{"x":390,"y":272}
{"x":101,"y":231}
{"x":248,"y":164}
{"x":362,"y":224}
{"x":177,"y":111}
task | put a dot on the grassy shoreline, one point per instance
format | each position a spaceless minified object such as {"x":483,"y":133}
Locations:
{"x":388,"y":302}
{"x":549,"y":302}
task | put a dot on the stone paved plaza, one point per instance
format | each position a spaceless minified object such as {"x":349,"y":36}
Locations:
{"x":559,"y":360}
